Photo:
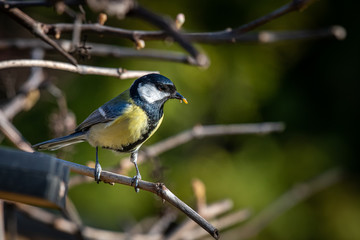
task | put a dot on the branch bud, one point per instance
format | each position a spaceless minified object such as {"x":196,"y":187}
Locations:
{"x":180,"y":20}
{"x":57,"y":34}
{"x":102,"y":18}
{"x":139,"y":44}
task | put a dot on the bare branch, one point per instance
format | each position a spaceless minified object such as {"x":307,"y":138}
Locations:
{"x":227,"y":221}
{"x":69,"y":227}
{"x":231,"y":35}
{"x":171,"y":30}
{"x":189,"y":230}
{"x":156,"y":188}
{"x":102,"y":50}
{"x":81,"y":69}
{"x":24,"y":100}
{"x":162,"y":224}
{"x":225,"y":36}
{"x":200,"y":131}
{"x":13,"y":134}
{"x":337,"y":32}
{"x":37,"y":29}
{"x":36,"y":3}
{"x":289,"y":199}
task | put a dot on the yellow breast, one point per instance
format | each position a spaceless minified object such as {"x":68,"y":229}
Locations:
{"x":126,"y":129}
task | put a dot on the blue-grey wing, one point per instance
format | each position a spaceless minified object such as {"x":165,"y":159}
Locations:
{"x":107,"y":112}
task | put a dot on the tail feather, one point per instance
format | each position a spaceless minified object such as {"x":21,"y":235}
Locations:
{"x":60,"y":142}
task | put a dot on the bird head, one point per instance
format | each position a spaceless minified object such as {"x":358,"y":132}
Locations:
{"x":155,"y":89}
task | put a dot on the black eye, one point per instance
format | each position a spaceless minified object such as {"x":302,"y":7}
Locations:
{"x":162,"y":88}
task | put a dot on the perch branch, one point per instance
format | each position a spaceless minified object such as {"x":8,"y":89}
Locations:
{"x":198,"y":131}
{"x":226,"y":221}
{"x":37,"y":29}
{"x":81,"y":69}
{"x":156,"y":188}
{"x":298,"y":193}
{"x":189,"y":230}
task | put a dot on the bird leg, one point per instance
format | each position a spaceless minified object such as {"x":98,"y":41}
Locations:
{"x":98,"y":169}
{"x":135,"y":179}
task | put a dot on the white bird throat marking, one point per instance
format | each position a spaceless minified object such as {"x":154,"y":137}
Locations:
{"x":150,"y":93}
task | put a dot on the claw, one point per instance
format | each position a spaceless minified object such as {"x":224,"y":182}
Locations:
{"x":97,"y":172}
{"x":135,"y":181}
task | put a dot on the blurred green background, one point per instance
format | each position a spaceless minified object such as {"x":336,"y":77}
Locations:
{"x":310,"y":85}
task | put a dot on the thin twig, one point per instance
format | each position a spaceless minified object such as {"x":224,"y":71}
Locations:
{"x":13,"y":134}
{"x":24,"y":100}
{"x":336,"y":31}
{"x":156,"y":188}
{"x":72,"y":214}
{"x":231,"y":35}
{"x":162,"y":224}
{"x":36,"y":3}
{"x":200,"y":131}
{"x":76,"y":35}
{"x":225,"y":36}
{"x":70,"y":227}
{"x":81,"y":69}
{"x":266,"y":36}
{"x":102,"y":50}
{"x":37,"y":29}
{"x":170,"y":29}
{"x":289,"y":199}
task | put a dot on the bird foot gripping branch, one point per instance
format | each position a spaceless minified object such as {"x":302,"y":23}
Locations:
{"x":124,"y":123}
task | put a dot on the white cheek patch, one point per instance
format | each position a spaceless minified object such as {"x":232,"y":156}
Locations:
{"x":150,"y":93}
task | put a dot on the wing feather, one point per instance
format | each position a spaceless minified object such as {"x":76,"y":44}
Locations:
{"x":107,"y":112}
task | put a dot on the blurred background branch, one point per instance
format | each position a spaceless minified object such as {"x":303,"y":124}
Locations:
{"x":81,"y":69}
{"x":289,"y":199}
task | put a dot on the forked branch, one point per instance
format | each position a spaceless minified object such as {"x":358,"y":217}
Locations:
{"x":157,"y":188}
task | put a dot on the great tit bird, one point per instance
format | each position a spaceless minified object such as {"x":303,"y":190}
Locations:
{"x":124,"y":123}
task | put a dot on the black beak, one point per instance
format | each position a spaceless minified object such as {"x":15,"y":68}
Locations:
{"x":180,"y":97}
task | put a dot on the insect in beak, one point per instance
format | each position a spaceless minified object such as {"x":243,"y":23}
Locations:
{"x":180,"y":97}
